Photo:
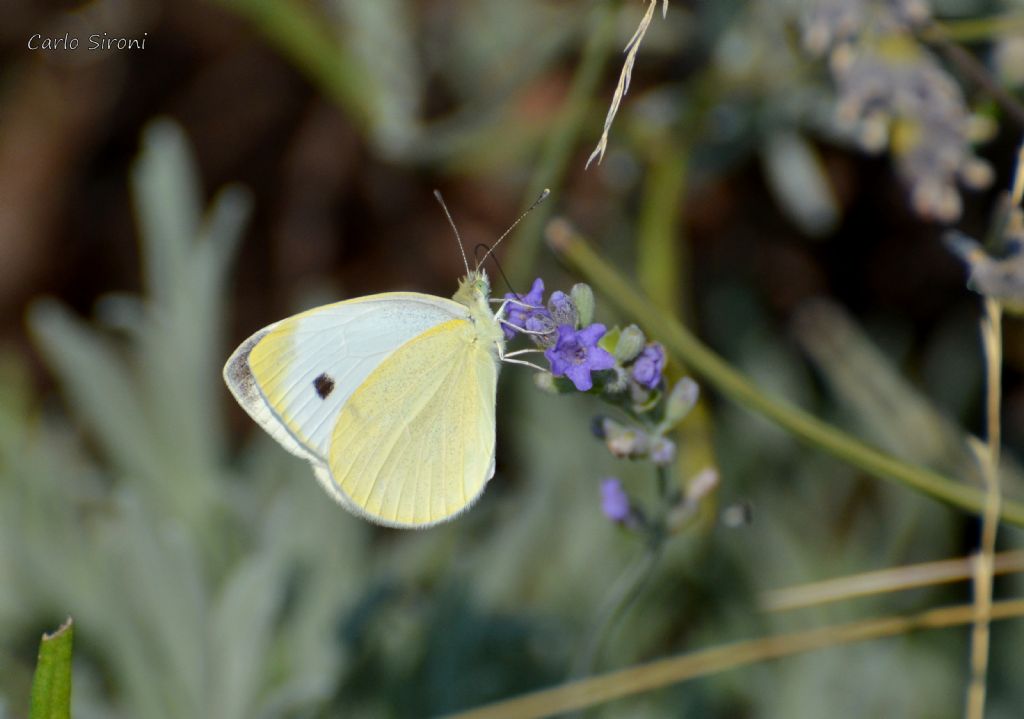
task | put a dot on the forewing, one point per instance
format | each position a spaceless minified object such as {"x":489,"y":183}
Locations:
{"x":414,"y":444}
{"x":295,"y":376}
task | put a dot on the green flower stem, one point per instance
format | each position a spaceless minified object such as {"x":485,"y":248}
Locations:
{"x":621,"y":596}
{"x":659,"y":251}
{"x":301,"y":37}
{"x":51,"y":685}
{"x":685,"y":347}
{"x":563,"y":137}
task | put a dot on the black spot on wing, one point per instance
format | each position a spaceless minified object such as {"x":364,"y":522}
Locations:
{"x":323,"y":385}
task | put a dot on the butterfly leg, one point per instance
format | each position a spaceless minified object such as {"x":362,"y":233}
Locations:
{"x":523,"y":330}
{"x":524,"y":363}
{"x":508,"y":358}
{"x":505,"y":302}
{"x":511,"y":300}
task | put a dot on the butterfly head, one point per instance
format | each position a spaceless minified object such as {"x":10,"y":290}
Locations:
{"x":474,"y":290}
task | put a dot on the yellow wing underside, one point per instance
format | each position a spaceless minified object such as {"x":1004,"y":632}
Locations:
{"x":414,"y":444}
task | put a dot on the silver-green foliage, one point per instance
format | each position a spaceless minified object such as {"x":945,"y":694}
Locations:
{"x":176,"y":569}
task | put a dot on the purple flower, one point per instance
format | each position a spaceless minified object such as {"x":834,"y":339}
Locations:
{"x":614,"y":500}
{"x":648,"y":366}
{"x":576,"y":354}
{"x":516,"y":316}
{"x":540,"y":321}
{"x":562,"y":309}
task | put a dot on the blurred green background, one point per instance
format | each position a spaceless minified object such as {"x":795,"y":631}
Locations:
{"x":259,"y":157}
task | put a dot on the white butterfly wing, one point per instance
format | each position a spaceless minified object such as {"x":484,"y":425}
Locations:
{"x":294,"y":376}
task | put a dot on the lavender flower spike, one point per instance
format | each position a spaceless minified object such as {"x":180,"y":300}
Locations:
{"x":576,"y":354}
{"x":614,"y":500}
{"x":516,"y":315}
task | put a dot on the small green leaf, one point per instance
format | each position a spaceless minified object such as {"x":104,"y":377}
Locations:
{"x":610,"y":339}
{"x":51,"y":686}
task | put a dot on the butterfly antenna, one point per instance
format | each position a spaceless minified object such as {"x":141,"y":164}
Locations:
{"x":501,"y":271}
{"x":437,"y":194}
{"x":540,"y":198}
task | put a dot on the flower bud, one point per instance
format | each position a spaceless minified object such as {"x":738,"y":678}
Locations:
{"x":647,"y":368}
{"x":630,"y":344}
{"x":686,"y":509}
{"x":563,"y":309}
{"x":614,"y":381}
{"x":542,"y":329}
{"x":738,"y":515}
{"x":624,"y":442}
{"x":614,"y":500}
{"x":681,"y":400}
{"x":545,"y":382}
{"x":701,"y":485}
{"x":663,"y":451}
{"x":583,"y":298}
{"x":642,"y":399}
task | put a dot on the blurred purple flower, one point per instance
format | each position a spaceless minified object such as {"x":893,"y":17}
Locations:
{"x":516,"y":316}
{"x":648,"y":366}
{"x":576,"y":354}
{"x":614,"y":500}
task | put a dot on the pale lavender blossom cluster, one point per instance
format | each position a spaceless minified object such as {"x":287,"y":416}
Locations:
{"x":827,"y":23}
{"x":893,"y":93}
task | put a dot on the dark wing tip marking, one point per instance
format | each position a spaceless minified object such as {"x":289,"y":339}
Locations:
{"x":238,"y":375}
{"x":323,"y":385}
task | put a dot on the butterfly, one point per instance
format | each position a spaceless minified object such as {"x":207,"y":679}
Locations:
{"x":390,"y":397}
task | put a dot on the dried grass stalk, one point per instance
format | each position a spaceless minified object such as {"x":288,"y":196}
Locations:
{"x":624,"y":77}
